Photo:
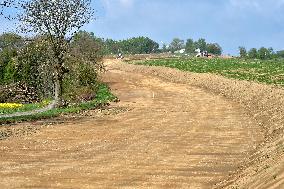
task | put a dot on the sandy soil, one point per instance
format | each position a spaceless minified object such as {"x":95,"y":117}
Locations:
{"x":171,"y":133}
{"x":265,"y":103}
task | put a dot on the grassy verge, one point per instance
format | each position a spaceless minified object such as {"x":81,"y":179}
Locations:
{"x":265,"y":71}
{"x":24,"y":108}
{"x":104,"y":96}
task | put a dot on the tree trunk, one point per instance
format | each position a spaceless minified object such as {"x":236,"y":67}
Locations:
{"x":58,"y":86}
{"x":57,"y":92}
{"x":58,"y":80}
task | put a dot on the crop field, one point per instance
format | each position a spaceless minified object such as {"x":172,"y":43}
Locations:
{"x":265,"y":71}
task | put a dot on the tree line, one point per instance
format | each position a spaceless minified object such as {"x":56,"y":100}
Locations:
{"x":190,"y":46}
{"x":135,"y":45}
{"x":261,"y":53}
{"x":145,"y":45}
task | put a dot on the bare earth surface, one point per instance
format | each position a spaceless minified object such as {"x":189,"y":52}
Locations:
{"x":169,"y":135}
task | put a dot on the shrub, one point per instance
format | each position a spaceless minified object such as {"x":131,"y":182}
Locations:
{"x":84,"y":64}
{"x":10,"y":72}
{"x":6,"y":56}
{"x":81,"y":83}
{"x":34,"y":69}
{"x":33,"y":66}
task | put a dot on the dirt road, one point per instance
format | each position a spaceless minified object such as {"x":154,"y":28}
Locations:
{"x":172,"y":136}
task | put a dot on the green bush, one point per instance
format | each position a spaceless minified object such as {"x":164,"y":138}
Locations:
{"x":33,"y":64}
{"x":6,"y":56}
{"x":81,"y":83}
{"x":10,"y":72}
{"x":34,"y":68}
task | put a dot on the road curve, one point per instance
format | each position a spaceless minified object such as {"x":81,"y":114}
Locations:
{"x":172,"y":136}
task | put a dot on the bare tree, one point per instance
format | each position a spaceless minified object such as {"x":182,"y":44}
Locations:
{"x":5,"y":5}
{"x":58,"y":21}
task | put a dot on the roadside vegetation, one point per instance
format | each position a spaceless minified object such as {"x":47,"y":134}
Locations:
{"x":9,"y":108}
{"x":56,"y":63}
{"x":265,"y":71}
{"x":104,"y":96}
{"x":26,"y":81}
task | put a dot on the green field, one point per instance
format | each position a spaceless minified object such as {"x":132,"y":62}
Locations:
{"x":265,"y":71}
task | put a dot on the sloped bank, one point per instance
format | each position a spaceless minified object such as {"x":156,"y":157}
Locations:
{"x":265,"y":168}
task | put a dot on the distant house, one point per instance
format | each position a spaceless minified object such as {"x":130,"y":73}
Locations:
{"x":181,"y":51}
{"x":203,"y":54}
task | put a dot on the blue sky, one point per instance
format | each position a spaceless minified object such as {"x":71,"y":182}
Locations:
{"x":231,"y":23}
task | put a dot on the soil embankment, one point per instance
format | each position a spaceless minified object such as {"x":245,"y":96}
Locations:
{"x":265,"y":103}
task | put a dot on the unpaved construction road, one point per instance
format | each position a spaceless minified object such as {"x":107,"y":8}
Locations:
{"x":171,"y":136}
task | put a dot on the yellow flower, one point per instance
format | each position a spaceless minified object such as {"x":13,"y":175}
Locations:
{"x":10,"y":105}
{"x":45,"y":102}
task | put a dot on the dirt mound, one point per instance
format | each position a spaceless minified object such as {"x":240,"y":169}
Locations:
{"x":265,"y":168}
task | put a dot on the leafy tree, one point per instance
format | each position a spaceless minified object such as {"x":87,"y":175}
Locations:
{"x":33,"y":66}
{"x":263,"y":53}
{"x":243,"y":52}
{"x":86,"y":48}
{"x":9,"y":45}
{"x":11,"y":41}
{"x":271,"y":52}
{"x":56,"y":20}
{"x":214,"y":48}
{"x":111,"y":46}
{"x":253,"y":53}
{"x":136,"y":45}
{"x":10,"y":72}
{"x":190,"y":46}
{"x":201,"y":44}
{"x":142,"y":45}
{"x":164,"y":48}
{"x":176,"y":44}
{"x":280,"y":54}
{"x":85,"y":62}
{"x":86,"y":45}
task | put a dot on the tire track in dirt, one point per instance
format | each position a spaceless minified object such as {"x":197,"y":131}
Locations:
{"x":264,"y":168}
{"x":174,"y":136}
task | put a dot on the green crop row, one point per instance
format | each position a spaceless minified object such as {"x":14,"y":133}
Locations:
{"x":265,"y":71}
